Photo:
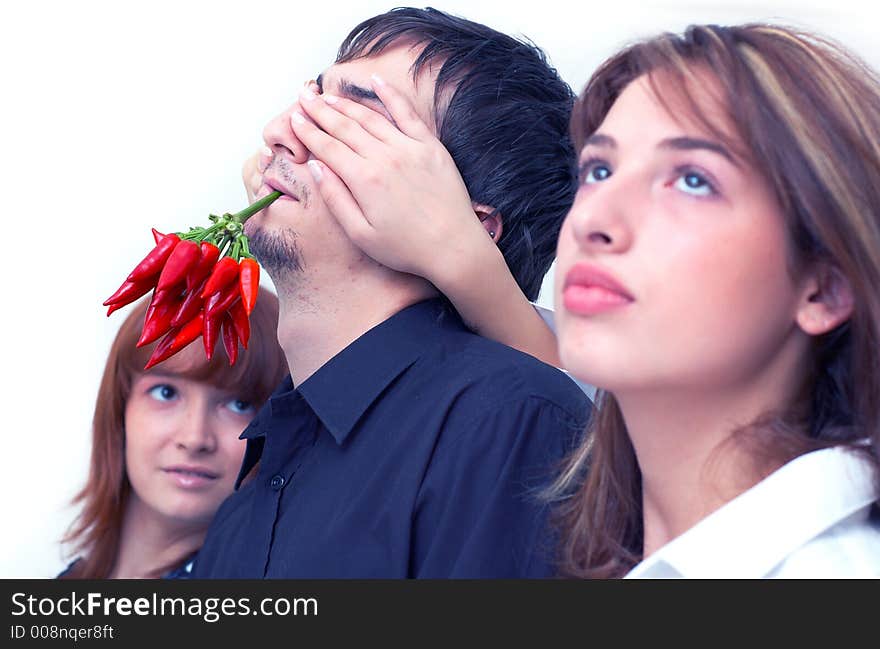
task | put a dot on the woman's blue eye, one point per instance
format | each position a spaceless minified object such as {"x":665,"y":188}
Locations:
{"x":163,"y":392}
{"x":240,"y":406}
{"x":694,"y":184}
{"x":593,"y":172}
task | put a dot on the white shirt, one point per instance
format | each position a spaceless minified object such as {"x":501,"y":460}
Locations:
{"x":808,"y":519}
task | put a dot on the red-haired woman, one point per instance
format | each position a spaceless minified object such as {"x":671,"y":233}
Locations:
{"x":166,"y":449}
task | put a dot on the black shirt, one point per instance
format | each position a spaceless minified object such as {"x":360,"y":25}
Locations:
{"x":417,"y":451}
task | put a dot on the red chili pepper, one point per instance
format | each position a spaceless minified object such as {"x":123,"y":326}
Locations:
{"x":219,"y":303}
{"x":159,"y":297}
{"x":230,"y":339}
{"x":166,"y":295}
{"x":249,"y":280}
{"x":158,"y":236}
{"x":210,"y":332}
{"x":241,"y":322}
{"x":180,"y":262}
{"x":128,"y":293}
{"x":189,"y":307}
{"x":163,"y":306}
{"x":224,"y":273}
{"x":162,"y":350}
{"x":209,"y":256}
{"x":176,"y":340}
{"x":152,"y":264}
{"x":157,"y":323}
{"x":114,"y":307}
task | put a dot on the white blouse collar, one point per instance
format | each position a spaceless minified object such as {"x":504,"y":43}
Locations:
{"x":758,"y":529}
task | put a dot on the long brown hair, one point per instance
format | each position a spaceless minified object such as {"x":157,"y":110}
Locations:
{"x":95,"y":533}
{"x":806,"y":114}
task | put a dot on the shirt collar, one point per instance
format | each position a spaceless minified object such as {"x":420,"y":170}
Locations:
{"x":342,"y":389}
{"x":758,"y":529}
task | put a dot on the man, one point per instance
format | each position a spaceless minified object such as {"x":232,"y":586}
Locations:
{"x":403,"y":445}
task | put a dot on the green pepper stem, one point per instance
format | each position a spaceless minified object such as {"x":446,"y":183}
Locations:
{"x":223,"y":244}
{"x":226,"y":231}
{"x":252,"y":209}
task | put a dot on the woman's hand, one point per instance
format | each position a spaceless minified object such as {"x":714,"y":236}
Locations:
{"x":252,"y":172}
{"x":393,"y":187}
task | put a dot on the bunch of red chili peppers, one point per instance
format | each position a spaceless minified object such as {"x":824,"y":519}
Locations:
{"x":204,"y":282}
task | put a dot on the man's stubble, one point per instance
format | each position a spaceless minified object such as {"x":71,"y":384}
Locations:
{"x":277,"y":251}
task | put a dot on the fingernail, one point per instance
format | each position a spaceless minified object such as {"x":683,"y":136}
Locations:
{"x":265,"y":158}
{"x":330,"y":99}
{"x":297,"y":117}
{"x":315,"y":168}
{"x":306,"y":94}
{"x":379,"y":81}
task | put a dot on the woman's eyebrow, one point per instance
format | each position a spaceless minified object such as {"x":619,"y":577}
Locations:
{"x":695,"y":143}
{"x":682,"y":143}
{"x":597,"y":139}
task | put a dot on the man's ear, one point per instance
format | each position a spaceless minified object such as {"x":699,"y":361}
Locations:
{"x":491,"y":220}
{"x":827,"y":300}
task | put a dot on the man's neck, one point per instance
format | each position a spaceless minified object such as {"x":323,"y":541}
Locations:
{"x":319,"y":320}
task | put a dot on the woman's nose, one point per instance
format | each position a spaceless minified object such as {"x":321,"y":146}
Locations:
{"x":196,"y":432}
{"x":601,"y":218}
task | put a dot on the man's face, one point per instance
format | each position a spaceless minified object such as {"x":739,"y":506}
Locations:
{"x":297,"y":232}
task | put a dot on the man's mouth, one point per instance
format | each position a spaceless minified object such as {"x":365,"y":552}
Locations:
{"x":274,"y":185}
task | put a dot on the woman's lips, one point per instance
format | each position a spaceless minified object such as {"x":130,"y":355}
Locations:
{"x":589,"y":290}
{"x":190,"y":478}
{"x":589,"y":300}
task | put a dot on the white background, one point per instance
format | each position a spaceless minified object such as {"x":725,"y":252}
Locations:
{"x":121,"y":116}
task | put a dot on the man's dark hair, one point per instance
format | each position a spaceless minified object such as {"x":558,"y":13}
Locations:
{"x":505,"y":124}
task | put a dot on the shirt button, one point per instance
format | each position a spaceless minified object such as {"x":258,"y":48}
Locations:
{"x":277,"y":482}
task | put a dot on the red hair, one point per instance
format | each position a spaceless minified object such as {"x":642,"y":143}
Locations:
{"x":95,"y":533}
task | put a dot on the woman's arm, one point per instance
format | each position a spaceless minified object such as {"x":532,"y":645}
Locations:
{"x":491,"y":303}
